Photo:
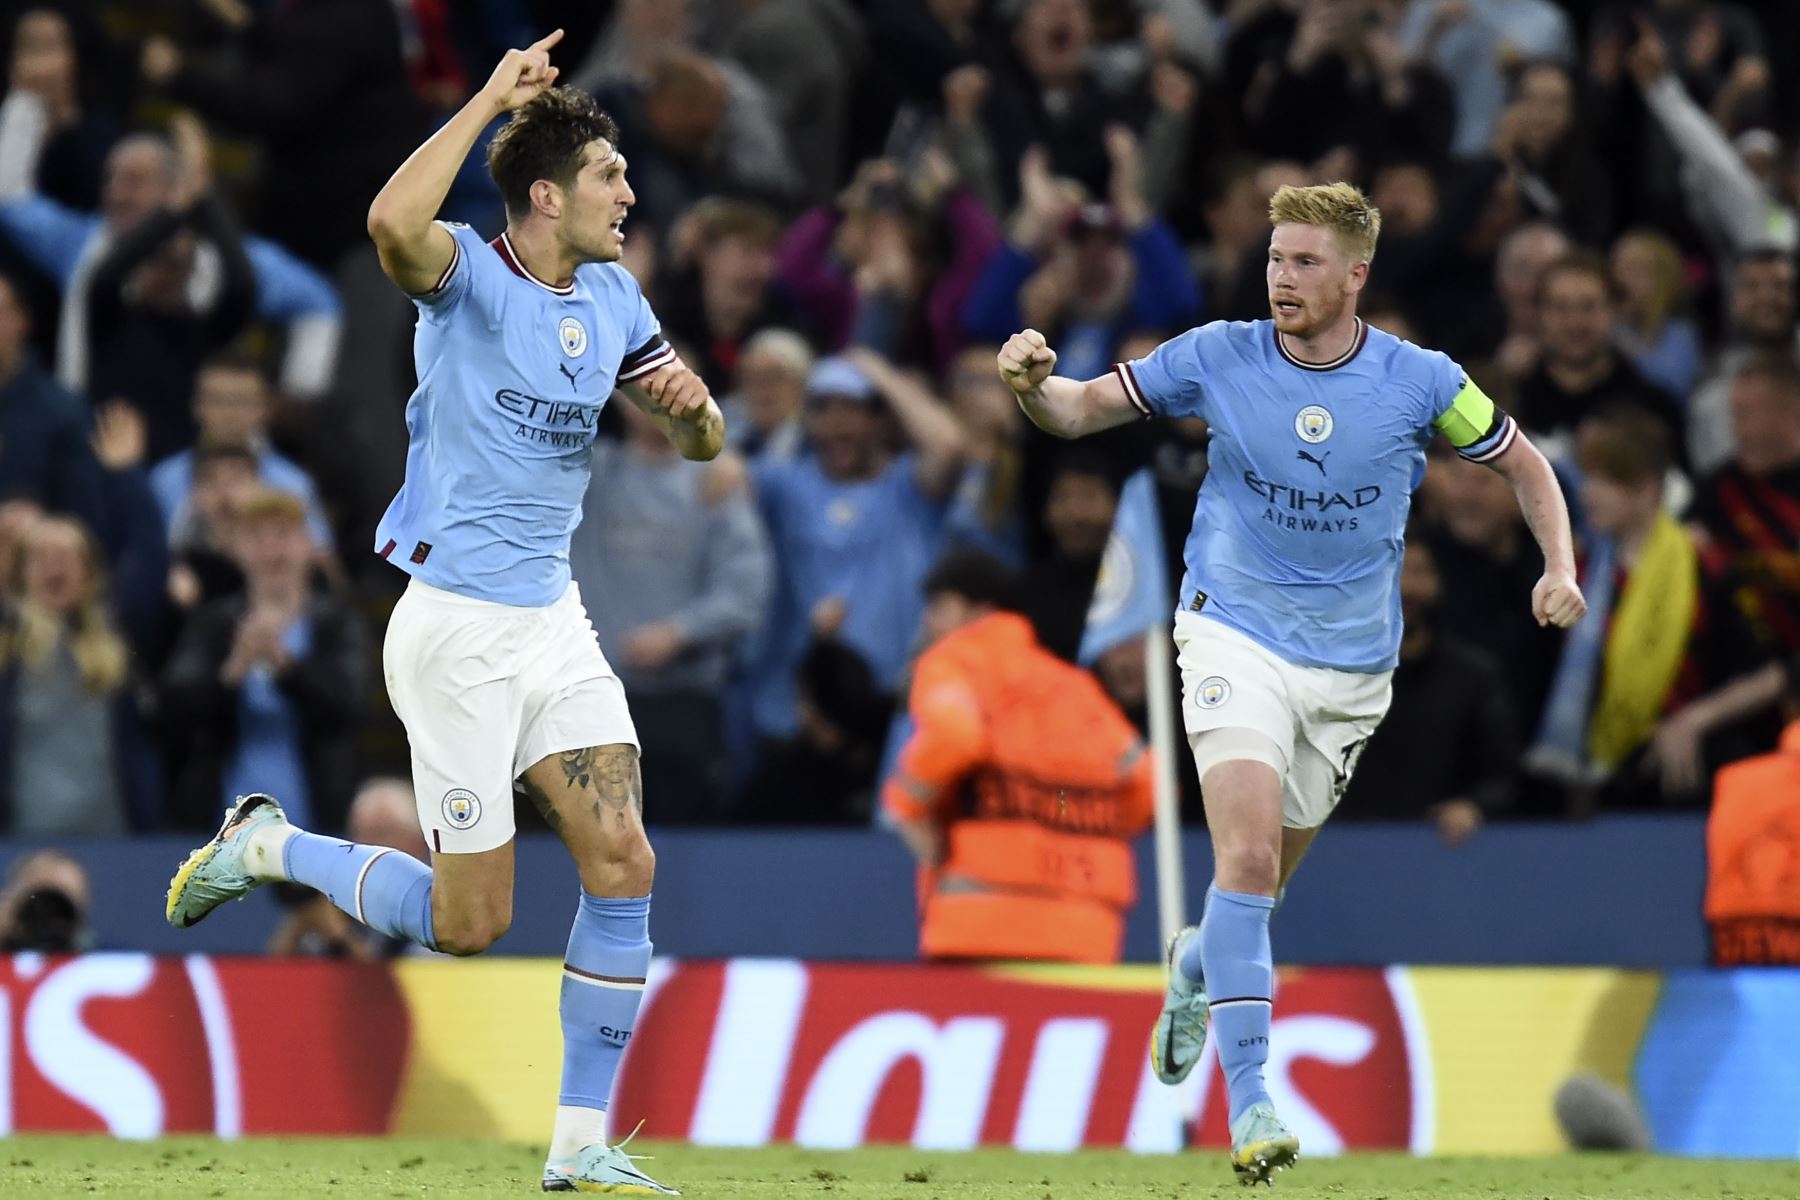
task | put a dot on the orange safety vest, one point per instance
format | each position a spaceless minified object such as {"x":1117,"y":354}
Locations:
{"x":1753,"y":857}
{"x":1039,"y":783}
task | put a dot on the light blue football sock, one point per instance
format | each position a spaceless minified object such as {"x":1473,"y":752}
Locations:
{"x":386,"y":889}
{"x":602,"y":985}
{"x":1240,"y":983}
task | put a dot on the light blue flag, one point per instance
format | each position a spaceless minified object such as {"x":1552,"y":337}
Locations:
{"x":1132,"y":592}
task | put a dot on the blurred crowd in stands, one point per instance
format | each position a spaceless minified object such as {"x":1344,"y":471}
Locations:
{"x":842,"y":207}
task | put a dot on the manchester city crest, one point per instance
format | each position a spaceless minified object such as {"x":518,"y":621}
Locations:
{"x":461,"y":808}
{"x":1313,"y":423}
{"x":572,"y":336}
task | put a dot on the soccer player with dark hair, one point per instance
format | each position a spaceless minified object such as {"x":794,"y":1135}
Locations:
{"x":1289,"y":622}
{"x":490,"y":659}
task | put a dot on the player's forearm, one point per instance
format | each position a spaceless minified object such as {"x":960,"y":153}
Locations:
{"x":1541,"y":501}
{"x":405,"y":207}
{"x":1057,"y":406}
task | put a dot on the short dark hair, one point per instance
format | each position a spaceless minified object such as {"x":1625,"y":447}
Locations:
{"x":1577,"y":262}
{"x":207,"y":453}
{"x":545,"y":140}
{"x":236,"y":358}
{"x":1624,"y":444}
{"x":1085,"y":460}
{"x":978,"y":578}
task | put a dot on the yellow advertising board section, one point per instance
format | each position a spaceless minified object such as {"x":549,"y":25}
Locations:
{"x":1502,"y":1041}
{"x":1473,"y":1056}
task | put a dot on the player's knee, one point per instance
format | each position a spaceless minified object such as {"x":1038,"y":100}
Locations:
{"x":1248,"y":865}
{"x":463,"y":934}
{"x":624,"y":866}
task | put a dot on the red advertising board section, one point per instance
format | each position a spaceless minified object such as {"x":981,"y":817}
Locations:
{"x":749,"y":1051}
{"x":140,"y":1046}
{"x":726,"y":1053}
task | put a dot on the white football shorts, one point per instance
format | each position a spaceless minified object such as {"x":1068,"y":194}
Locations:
{"x":1241,"y":700}
{"x":486,"y":691}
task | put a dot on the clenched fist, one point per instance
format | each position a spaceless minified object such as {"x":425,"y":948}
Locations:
{"x":1026,"y":361}
{"x":1556,"y":600}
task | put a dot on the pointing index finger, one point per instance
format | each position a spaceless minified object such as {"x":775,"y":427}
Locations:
{"x":548,"y":40}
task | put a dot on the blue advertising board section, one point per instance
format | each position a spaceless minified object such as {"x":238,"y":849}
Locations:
{"x":1621,"y":890}
{"x":1719,"y":1069}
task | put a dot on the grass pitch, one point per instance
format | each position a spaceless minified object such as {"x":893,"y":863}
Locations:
{"x":192,"y":1168}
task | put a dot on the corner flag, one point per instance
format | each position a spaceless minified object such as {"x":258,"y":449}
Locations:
{"x":1132,"y":593}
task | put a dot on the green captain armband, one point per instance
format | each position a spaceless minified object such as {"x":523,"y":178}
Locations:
{"x":1477,"y":427}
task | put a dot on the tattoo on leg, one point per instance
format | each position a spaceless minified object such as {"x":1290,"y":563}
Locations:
{"x":615,"y":779}
{"x":578,"y":767}
{"x":541,"y":801}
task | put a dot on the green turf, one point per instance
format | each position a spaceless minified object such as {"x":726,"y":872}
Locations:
{"x":197,"y":1168}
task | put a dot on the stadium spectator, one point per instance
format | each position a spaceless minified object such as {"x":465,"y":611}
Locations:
{"x":1664,"y":629}
{"x":149,"y":334}
{"x":142,"y":171}
{"x":1334,"y":76}
{"x":1519,"y":265}
{"x":762,"y":418}
{"x":868,"y":271}
{"x":824,"y":774}
{"x":231,"y":405}
{"x":1580,"y":368}
{"x":726,"y":292}
{"x":262,"y":690}
{"x":806,"y":55}
{"x":1020,"y":787}
{"x":1750,"y":507}
{"x":985,"y":510}
{"x":75,"y":759}
{"x":1432,"y":252}
{"x":675,"y":572}
{"x":695,"y":127}
{"x":1653,"y":332}
{"x":383,"y":813}
{"x":852,"y":525}
{"x":1474,"y":42}
{"x":1487,"y":567}
{"x":1540,"y":138}
{"x":44,"y":904}
{"x":1738,"y":208}
{"x":44,"y":455}
{"x":922,"y":44}
{"x":1047,"y":98}
{"x":1447,"y":751}
{"x":1084,"y":273}
{"x":136,"y":546}
{"x":1764,"y":319}
{"x":301,"y":77}
{"x":45,"y":63}
{"x":203,"y":535}
{"x":1079,"y":507}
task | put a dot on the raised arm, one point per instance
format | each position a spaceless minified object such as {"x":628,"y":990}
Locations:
{"x":415,"y":251}
{"x":1556,"y":600}
{"x":1067,"y":408}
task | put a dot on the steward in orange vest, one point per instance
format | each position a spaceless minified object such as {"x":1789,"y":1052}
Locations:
{"x":1021,"y":787}
{"x":1753,"y":857}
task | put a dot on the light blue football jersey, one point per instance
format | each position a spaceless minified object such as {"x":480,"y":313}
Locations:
{"x":513,"y":373}
{"x":1300,"y":524}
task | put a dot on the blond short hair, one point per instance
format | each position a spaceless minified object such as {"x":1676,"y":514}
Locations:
{"x":273,"y":506}
{"x":1339,"y":207}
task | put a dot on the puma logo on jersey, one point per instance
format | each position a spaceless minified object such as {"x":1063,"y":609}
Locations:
{"x":570,"y":376}
{"x":1317,"y":462}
